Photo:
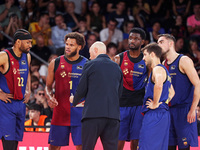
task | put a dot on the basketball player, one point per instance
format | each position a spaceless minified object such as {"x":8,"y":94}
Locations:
{"x":134,"y":81}
{"x":154,"y":133}
{"x":15,"y":89}
{"x":185,"y":80}
{"x":65,"y":71}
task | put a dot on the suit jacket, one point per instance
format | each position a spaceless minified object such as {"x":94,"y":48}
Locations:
{"x":101,"y":84}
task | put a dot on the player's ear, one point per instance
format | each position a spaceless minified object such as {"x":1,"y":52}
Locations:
{"x":79,"y":47}
{"x":95,"y":49}
{"x":143,"y":41}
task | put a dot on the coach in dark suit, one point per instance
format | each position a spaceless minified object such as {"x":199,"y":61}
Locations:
{"x":101,"y":85}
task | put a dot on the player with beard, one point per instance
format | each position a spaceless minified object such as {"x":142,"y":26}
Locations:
{"x":134,"y":82}
{"x":65,"y":71}
{"x":185,"y":80}
{"x":14,"y":89}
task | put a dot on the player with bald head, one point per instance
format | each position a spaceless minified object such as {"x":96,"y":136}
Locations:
{"x":101,"y":85}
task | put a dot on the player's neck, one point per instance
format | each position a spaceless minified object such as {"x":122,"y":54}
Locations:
{"x":16,"y":51}
{"x":74,"y":58}
{"x":134,"y":53}
{"x":155,"y":62}
{"x":171,"y":56}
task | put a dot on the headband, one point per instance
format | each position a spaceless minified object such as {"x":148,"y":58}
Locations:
{"x":22,"y":36}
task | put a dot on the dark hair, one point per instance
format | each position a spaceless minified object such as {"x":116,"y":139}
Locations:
{"x":168,"y":36}
{"x":153,"y":47}
{"x":113,"y":20}
{"x":43,"y":14}
{"x":139,"y":31}
{"x":34,"y":78}
{"x":80,"y":39}
{"x":57,"y":15}
{"x":111,"y":44}
{"x":35,"y":107}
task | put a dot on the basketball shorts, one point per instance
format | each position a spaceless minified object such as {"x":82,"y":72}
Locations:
{"x":59,"y":135}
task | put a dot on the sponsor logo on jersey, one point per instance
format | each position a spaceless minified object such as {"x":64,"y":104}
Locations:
{"x":79,"y":67}
{"x":23,"y":62}
{"x":12,"y":62}
{"x":173,"y":67}
{"x":63,"y":74}
{"x":140,"y":66}
{"x":125,"y":71}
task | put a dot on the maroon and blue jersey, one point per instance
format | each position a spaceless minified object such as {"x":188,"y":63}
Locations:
{"x":149,"y":92}
{"x":67,"y":76}
{"x":15,"y":79}
{"x":134,"y":79}
{"x":183,"y":88}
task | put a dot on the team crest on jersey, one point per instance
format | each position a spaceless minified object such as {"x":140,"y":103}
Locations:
{"x":62,"y":66}
{"x":125,"y":71}
{"x":140,"y":66}
{"x":125,"y":63}
{"x":173,"y":67}
{"x":63,"y":74}
{"x":79,"y":67}
{"x":23,"y":62}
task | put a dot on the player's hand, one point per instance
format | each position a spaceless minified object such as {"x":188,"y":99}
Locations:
{"x":151,"y":104}
{"x":52,"y":102}
{"x":5,"y":97}
{"x":191,"y":117}
{"x":27,"y":96}
{"x":71,"y":98}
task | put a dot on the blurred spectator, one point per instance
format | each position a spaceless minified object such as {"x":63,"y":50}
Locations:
{"x":82,"y":27}
{"x":119,"y":15}
{"x":181,"y":7}
{"x":141,"y":12}
{"x":34,"y":86}
{"x":111,"y":34}
{"x":36,"y":119}
{"x":194,"y":54}
{"x":60,"y":5}
{"x":41,"y":27}
{"x":127,"y":28}
{"x":112,"y":50}
{"x":13,"y":25}
{"x":41,"y":100}
{"x":80,"y":6}
{"x":40,"y":49}
{"x":58,"y":34}
{"x":3,"y":40}
{"x":71,"y":18}
{"x":6,"y":9}
{"x":160,"y":11}
{"x":30,"y":13}
{"x":22,"y":4}
{"x":193,"y":22}
{"x":90,"y":40}
{"x":42,"y":4}
{"x":178,"y":29}
{"x":44,"y":68}
{"x":51,"y":10}
{"x":156,"y":30}
{"x":179,"y":46}
{"x":95,"y":21}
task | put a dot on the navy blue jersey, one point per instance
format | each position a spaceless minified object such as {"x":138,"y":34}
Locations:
{"x":183,"y":88}
{"x":15,"y":79}
{"x":149,"y":93}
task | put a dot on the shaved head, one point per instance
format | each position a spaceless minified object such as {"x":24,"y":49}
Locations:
{"x":96,"y":49}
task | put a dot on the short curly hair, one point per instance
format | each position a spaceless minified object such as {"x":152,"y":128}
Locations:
{"x":80,"y":39}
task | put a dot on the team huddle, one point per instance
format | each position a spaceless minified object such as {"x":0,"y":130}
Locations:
{"x":134,"y":98}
